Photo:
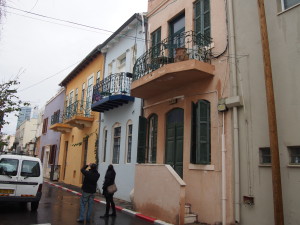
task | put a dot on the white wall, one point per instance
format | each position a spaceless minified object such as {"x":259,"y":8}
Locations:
{"x":131,"y":111}
{"x":284,"y":39}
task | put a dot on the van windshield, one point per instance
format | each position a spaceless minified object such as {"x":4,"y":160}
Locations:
{"x":8,"y":166}
{"x":30,"y":169}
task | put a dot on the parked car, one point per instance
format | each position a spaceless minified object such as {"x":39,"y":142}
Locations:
{"x":21,"y":179}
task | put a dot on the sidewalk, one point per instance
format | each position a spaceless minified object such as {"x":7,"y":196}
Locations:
{"x":98,"y":196}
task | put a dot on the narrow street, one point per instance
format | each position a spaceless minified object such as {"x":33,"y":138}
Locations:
{"x":59,"y":207}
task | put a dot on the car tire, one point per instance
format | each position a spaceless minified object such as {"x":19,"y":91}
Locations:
{"x":34,"y":206}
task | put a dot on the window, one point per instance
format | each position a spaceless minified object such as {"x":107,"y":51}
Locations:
{"x":89,"y":95}
{"x":177,"y":28}
{"x":129,"y":143}
{"x":289,"y":3}
{"x":294,"y":155}
{"x":76,"y":95}
{"x":202,"y":17}
{"x":104,"y":145}
{"x":152,"y":138}
{"x":200,"y":145}
{"x":156,"y":39}
{"x":9,"y":167}
{"x":45,"y":126}
{"x":265,"y":155}
{"x":98,"y":77}
{"x":116,"y":145}
{"x":122,"y":63}
{"x":82,"y":96}
{"x":30,"y":169}
{"x":110,"y":66}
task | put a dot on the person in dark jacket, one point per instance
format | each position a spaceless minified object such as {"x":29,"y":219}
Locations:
{"x":109,"y":180}
{"x":89,"y":187}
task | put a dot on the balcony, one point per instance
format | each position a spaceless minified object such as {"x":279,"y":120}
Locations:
{"x":112,"y":92}
{"x":58,"y":125}
{"x":175,"y":62}
{"x":78,"y":114}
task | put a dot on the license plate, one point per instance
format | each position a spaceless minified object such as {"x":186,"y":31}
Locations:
{"x":6,"y":191}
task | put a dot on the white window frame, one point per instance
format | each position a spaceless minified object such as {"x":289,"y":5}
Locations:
{"x":129,"y":123}
{"x":112,"y":143}
{"x":105,"y":142}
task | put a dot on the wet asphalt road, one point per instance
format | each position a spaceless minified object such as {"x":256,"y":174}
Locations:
{"x":59,"y":207}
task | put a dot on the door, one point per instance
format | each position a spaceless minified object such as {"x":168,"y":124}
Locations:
{"x":8,"y":176}
{"x":65,"y":160}
{"x":85,"y":148}
{"x":89,"y":96}
{"x":30,"y":178}
{"x":174,"y":140}
{"x":177,"y":36}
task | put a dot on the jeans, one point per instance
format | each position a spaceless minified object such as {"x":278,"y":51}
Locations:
{"x":86,"y":203}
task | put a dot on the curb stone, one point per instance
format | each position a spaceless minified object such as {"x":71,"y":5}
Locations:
{"x":127,"y":211}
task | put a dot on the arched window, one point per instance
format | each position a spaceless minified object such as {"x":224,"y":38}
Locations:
{"x":104,"y":144}
{"x":116,"y":143}
{"x":200,"y":143}
{"x":128,"y":142}
{"x":152,"y":139}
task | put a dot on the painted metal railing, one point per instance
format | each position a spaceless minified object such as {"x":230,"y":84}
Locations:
{"x":56,"y":118}
{"x":197,"y":46}
{"x":78,"y":108}
{"x":114,"y":84}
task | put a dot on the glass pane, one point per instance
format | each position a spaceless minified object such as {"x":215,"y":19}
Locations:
{"x":179,"y":24}
{"x":30,"y":169}
{"x":290,"y":3}
{"x":206,"y":5}
{"x":9,"y":166}
{"x":265,"y":155}
{"x":295,"y":155}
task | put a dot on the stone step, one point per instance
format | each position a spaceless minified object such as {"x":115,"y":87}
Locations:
{"x":190,"y":218}
{"x":187,"y":209}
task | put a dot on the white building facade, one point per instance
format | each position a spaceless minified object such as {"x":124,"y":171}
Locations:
{"x":254,"y":189}
{"x":118,"y":127}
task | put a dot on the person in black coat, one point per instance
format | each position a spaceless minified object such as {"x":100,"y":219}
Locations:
{"x":89,"y":187}
{"x":109,"y":180}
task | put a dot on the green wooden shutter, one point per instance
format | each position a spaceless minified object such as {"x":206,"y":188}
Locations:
{"x":141,"y":151}
{"x":154,"y":135}
{"x":202,"y":17}
{"x":193,"y":133}
{"x":200,"y":140}
{"x":203,"y":133}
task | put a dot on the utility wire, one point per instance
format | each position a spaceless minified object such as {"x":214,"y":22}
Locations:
{"x":70,"y":22}
{"x":47,"y":78}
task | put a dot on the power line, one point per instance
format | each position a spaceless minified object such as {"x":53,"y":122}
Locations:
{"x":70,"y":22}
{"x":47,"y":78}
{"x":47,"y":21}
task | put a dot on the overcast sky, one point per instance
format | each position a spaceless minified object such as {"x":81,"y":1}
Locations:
{"x":40,"y":48}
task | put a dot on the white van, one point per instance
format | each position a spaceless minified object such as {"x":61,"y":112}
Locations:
{"x":21,"y":179}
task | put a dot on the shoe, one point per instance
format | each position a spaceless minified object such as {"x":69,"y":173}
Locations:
{"x":104,"y":216}
{"x":80,"y":221}
{"x":113,"y":214}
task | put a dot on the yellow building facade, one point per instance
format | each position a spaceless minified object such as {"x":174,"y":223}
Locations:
{"x":79,"y":125}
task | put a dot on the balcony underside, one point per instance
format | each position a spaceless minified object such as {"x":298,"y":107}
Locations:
{"x":61,"y":127}
{"x":170,"y":77}
{"x":80,"y":121}
{"x":111,"y":102}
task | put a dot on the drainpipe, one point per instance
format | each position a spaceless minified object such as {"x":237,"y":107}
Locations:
{"x":223,"y":173}
{"x":232,"y":51}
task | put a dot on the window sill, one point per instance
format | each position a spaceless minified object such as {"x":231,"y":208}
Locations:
{"x":201,"y":167}
{"x":265,"y":165}
{"x":293,"y":165}
{"x":288,"y":9}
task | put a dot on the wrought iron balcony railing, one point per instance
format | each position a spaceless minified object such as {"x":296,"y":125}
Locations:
{"x":78,"y":108}
{"x":196,"y":46}
{"x":56,"y":118}
{"x":114,"y":84}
